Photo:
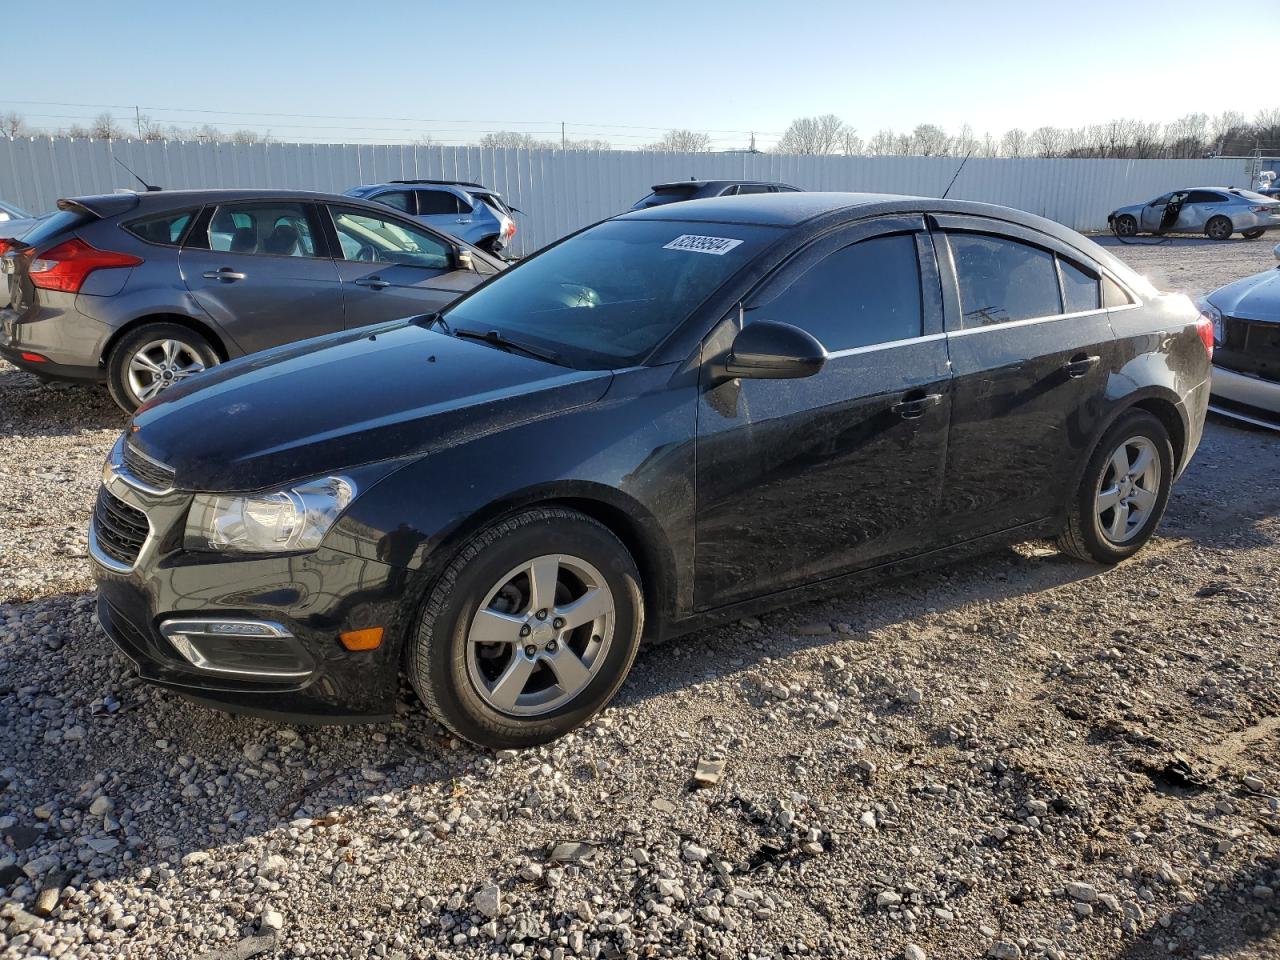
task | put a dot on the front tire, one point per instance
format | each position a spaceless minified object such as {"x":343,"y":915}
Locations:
{"x":529,"y":631}
{"x":1219,"y":228}
{"x":1253,"y":234}
{"x":1125,"y":226}
{"x":1123,"y":492}
{"x":153,"y":358}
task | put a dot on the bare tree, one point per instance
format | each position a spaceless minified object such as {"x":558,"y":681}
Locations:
{"x":589,"y":143}
{"x":682,"y":141}
{"x":105,"y":128}
{"x":850,"y":143}
{"x":512,"y":139}
{"x":1014,"y":143}
{"x":882,"y":144}
{"x":929,"y":140}
{"x":816,"y":136}
{"x":12,"y":124}
{"x":1047,"y":141}
{"x":965,"y":142}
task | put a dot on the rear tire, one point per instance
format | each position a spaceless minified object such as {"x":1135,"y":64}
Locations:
{"x":1125,"y":226}
{"x":174,"y":351}
{"x":489,"y":668}
{"x":1097,"y":532}
{"x":1219,"y":228}
{"x":1253,"y":234}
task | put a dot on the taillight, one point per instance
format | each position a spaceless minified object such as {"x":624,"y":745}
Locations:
{"x":65,"y":266}
{"x":1268,"y":209}
{"x":4,"y":247}
{"x":511,"y":229}
{"x":1204,"y":327}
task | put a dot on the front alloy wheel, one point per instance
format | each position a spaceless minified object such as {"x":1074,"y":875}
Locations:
{"x":541,"y":635}
{"x":529,"y":630}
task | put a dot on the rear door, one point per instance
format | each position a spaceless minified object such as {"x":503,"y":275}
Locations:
{"x":261,"y":271}
{"x":391,"y":268}
{"x":1199,"y":206}
{"x":444,"y":210}
{"x":800,"y":480}
{"x":1031,"y":350}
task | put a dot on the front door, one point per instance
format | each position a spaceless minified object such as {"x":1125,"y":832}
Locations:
{"x":1031,"y":350}
{"x":391,"y":268}
{"x":800,"y":480}
{"x":260,"y":271}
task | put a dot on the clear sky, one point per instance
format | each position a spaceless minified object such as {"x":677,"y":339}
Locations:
{"x":622,"y":71}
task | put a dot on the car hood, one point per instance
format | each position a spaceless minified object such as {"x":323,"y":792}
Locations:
{"x":384,"y":393}
{"x":1134,"y":210}
{"x":1253,"y":298}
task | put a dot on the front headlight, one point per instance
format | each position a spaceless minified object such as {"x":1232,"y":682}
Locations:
{"x":1215,"y":317}
{"x":296,"y":518}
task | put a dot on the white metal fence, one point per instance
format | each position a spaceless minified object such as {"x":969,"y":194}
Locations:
{"x":559,"y":192}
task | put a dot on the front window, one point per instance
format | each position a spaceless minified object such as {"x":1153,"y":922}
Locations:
{"x":371,"y":239}
{"x":608,"y":296}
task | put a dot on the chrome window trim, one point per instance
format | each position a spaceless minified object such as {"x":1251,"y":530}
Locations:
{"x":1029,"y":321}
{"x":886,"y":345}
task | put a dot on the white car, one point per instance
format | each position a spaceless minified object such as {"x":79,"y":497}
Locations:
{"x":1246,"y":352}
{"x":1217,"y":212}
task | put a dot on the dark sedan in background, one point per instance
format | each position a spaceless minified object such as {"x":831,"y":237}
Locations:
{"x":677,"y":191}
{"x":670,"y":418}
{"x":143,"y":290}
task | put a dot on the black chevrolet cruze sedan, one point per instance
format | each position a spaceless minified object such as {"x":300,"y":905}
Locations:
{"x":670,"y":418}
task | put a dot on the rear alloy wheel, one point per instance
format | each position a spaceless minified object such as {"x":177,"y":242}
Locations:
{"x":1218,"y":228}
{"x":1123,"y":492}
{"x":1253,"y":234}
{"x":153,"y":358}
{"x":1125,"y":226}
{"x":529,"y":631}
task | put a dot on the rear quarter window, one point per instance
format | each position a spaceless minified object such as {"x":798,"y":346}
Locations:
{"x":166,"y":229}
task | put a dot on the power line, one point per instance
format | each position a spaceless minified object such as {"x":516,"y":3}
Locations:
{"x":327,"y":116}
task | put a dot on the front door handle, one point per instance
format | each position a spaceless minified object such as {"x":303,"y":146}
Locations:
{"x":224,"y":273}
{"x":1077,"y":367}
{"x":462,"y":220}
{"x":373,"y":283}
{"x":913,"y":408}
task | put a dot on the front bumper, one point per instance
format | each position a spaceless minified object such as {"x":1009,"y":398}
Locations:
{"x":300,"y":672}
{"x":1246,"y":397}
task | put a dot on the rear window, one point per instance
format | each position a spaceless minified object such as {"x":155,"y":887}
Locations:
{"x":493,"y":202}
{"x":57,"y":223}
{"x":668,"y":195}
{"x":166,"y":229}
{"x":1003,"y":280}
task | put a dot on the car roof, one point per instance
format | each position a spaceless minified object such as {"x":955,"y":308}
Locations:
{"x":111,"y":204}
{"x":700,"y":184}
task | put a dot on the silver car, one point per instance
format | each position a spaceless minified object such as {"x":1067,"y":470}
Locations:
{"x":142,"y":290}
{"x":1217,"y":212}
{"x":1246,"y":351}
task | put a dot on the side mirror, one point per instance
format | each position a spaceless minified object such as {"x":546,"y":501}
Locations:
{"x":1276,"y":251}
{"x":462,"y":259}
{"x":768,"y":350}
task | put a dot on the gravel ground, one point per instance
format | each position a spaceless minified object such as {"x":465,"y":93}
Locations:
{"x":1020,"y":755}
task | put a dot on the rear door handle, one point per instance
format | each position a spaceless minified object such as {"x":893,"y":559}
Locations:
{"x":373,"y":283}
{"x":224,"y":273}
{"x":1077,"y":367}
{"x":915,"y":407}
{"x":462,"y":220}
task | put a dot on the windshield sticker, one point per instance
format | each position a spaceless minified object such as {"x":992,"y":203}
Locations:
{"x":717,"y":246}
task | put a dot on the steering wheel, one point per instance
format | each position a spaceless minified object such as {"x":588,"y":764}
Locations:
{"x":367,"y":253}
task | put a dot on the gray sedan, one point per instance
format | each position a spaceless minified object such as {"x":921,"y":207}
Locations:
{"x":1246,"y":353}
{"x":1217,"y":212}
{"x":142,"y":290}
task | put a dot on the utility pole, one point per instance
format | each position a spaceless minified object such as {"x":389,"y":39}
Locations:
{"x":562,"y":142}
{"x":137,"y":116}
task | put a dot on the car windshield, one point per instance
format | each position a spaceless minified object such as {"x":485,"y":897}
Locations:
{"x":607,"y":296}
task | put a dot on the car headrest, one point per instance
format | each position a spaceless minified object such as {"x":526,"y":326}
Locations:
{"x":282,"y":241}
{"x":244,"y":240}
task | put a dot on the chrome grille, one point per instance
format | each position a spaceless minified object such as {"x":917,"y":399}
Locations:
{"x":153,"y":474}
{"x":120,"y":530}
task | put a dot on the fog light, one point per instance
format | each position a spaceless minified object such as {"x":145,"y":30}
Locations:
{"x":369,"y":638}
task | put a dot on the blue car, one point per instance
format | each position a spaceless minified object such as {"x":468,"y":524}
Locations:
{"x":468,"y":211}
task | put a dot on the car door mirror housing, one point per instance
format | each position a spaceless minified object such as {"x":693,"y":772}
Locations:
{"x":462,"y":259}
{"x":769,"y":350}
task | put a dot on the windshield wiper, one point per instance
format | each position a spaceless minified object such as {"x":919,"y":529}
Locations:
{"x":496,"y":339}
